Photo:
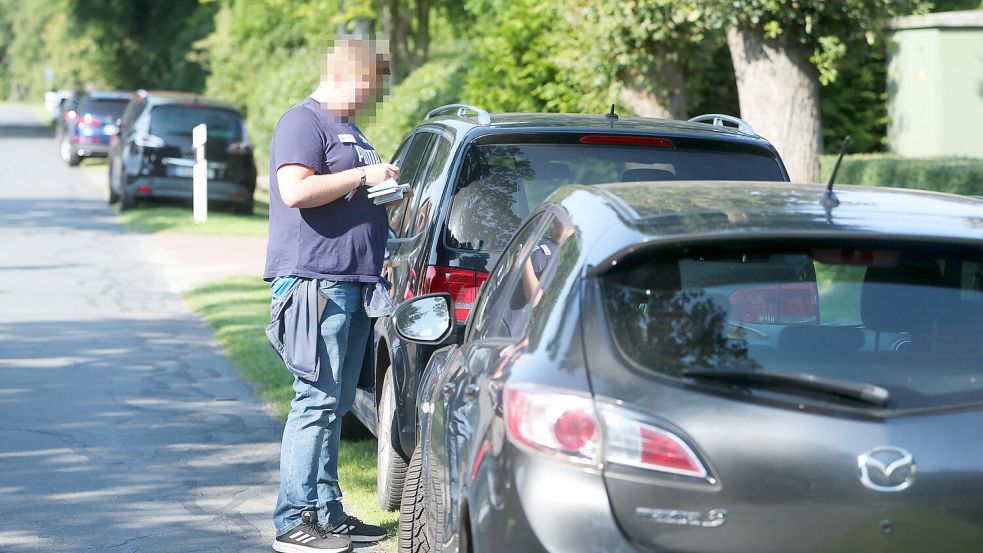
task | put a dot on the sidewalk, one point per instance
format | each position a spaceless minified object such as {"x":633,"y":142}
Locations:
{"x":189,"y":261}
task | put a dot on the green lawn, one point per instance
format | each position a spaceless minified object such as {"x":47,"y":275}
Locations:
{"x":161,"y":216}
{"x":237,"y":310}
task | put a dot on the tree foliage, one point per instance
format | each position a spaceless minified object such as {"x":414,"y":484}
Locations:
{"x":506,"y":55}
{"x":824,"y":28}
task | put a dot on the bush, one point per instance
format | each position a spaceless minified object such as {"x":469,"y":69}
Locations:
{"x":952,"y":175}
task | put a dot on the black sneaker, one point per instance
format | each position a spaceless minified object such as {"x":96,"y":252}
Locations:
{"x":309,"y":537}
{"x":358,"y":531}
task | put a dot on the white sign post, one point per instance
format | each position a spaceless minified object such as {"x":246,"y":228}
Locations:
{"x":199,"y":186}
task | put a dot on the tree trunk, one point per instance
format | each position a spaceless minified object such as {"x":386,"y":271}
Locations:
{"x":778,"y":88}
{"x":641,"y":91}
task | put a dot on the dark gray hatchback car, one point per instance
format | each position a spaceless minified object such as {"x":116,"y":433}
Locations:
{"x":710,"y":367}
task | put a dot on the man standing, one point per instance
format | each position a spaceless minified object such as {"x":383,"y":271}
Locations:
{"x":324,"y":260}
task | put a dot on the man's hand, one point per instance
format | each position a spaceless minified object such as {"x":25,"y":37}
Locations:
{"x":375,"y":174}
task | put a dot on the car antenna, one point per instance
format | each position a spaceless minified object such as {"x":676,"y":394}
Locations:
{"x":611,"y":116}
{"x":829,"y":199}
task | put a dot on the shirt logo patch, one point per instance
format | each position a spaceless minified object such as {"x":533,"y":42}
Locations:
{"x":346,"y":138}
{"x":367,"y":157}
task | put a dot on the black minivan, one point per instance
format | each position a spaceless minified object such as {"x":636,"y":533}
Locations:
{"x":152,"y":156}
{"x":476,"y":176}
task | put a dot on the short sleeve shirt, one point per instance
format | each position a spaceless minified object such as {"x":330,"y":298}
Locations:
{"x":343,"y":240}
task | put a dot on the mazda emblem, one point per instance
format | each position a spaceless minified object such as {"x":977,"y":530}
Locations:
{"x":886,"y":469}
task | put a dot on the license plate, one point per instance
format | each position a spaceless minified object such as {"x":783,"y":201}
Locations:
{"x":187,"y":171}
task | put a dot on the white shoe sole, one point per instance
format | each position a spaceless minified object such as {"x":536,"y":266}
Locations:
{"x":366,"y":539}
{"x":281,"y":547}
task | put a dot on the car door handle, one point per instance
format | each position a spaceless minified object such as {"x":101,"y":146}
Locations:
{"x":472,"y":390}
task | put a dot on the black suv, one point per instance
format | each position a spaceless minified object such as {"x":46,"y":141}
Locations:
{"x":152,"y":155}
{"x":476,"y":176}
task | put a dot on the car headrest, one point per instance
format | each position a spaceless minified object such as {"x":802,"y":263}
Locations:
{"x":548,"y":170}
{"x":646,"y":174}
{"x":888,"y":301}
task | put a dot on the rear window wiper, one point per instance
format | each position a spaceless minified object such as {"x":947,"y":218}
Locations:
{"x":860,"y":391}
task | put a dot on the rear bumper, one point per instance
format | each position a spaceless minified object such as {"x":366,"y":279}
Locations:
{"x":91,"y":150}
{"x":547,"y":506}
{"x":181,"y":189}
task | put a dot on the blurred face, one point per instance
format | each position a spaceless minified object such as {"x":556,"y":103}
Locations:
{"x":351,"y":78}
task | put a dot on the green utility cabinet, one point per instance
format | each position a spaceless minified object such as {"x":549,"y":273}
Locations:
{"x":935,"y":84}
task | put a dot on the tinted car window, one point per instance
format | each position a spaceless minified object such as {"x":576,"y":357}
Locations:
{"x":533,"y":275}
{"x":487,"y":321}
{"x":426,"y":195}
{"x":500,"y":184}
{"x":110,"y":109}
{"x":886,"y":317}
{"x":174,"y":123}
{"x":394,"y":210}
{"x":409,"y":167}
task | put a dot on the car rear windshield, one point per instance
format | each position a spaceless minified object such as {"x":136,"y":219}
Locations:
{"x":105,"y":107}
{"x":174,"y":123}
{"x":500,"y":185}
{"x":904,"y":319}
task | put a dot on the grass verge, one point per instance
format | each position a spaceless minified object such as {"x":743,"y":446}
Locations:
{"x":237,"y":310}
{"x":177,"y":217}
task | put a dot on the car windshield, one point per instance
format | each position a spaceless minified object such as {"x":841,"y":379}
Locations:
{"x":501,"y":184}
{"x":174,"y":123}
{"x":106,"y":107}
{"x":903,"y":319}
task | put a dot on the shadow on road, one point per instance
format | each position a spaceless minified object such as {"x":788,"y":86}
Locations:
{"x":57,"y":214}
{"x":130,"y":432}
{"x":25,"y":131}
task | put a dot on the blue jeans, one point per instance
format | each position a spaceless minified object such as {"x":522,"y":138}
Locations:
{"x":311,"y":437}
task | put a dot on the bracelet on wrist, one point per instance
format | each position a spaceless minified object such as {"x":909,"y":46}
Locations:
{"x":361,"y":180}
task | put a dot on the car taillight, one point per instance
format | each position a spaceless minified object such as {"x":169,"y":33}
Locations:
{"x":566,"y":425}
{"x":633,"y":442}
{"x":561,"y":424}
{"x":89,"y":121}
{"x":461,"y":284}
{"x":788,"y":303}
{"x":239,"y":147}
{"x":625,"y":140}
{"x":149,"y":141}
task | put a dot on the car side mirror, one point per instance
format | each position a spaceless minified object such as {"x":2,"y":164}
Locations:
{"x":425,"y":319}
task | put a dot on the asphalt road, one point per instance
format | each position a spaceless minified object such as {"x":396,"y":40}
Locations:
{"x":122,"y":427}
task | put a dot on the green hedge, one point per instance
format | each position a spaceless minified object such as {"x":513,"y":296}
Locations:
{"x":952,"y":175}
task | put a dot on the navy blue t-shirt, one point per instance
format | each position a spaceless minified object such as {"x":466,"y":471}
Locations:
{"x":342,"y":240}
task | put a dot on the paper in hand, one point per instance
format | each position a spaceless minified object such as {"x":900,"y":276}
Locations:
{"x":387,"y":191}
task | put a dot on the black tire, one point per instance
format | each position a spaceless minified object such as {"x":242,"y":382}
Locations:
{"x":392,"y":465}
{"x":413,"y":537}
{"x":245,"y":208}
{"x":126,"y":201}
{"x":113,"y":195}
{"x":68,"y":154}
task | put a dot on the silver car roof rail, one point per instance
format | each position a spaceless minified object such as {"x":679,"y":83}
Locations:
{"x":718,"y":119}
{"x":462,"y":111}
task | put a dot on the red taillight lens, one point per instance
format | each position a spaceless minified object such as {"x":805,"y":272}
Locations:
{"x":239,"y":147}
{"x":558,"y":423}
{"x":791,"y":303}
{"x":567,"y":425}
{"x":89,"y":121}
{"x":633,"y":442}
{"x":574,"y":429}
{"x":622,"y":140}
{"x":461,"y":284}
